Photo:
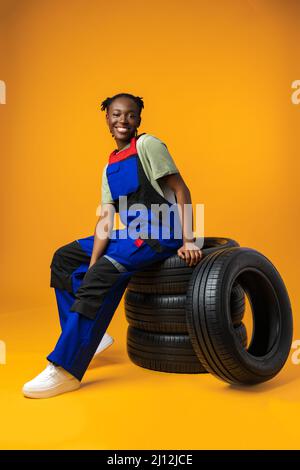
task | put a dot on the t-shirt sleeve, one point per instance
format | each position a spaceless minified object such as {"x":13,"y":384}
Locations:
{"x":159,"y":158}
{"x":106,"y":197}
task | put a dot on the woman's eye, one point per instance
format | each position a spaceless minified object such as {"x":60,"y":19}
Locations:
{"x":117,"y":115}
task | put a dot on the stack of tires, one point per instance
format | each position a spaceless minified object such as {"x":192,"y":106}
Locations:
{"x":189,"y":319}
{"x":155,"y":308}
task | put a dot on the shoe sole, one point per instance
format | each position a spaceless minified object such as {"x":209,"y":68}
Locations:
{"x":52,"y":392}
{"x":104,"y":347}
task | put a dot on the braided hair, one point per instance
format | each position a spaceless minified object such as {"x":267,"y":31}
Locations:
{"x":137,"y":99}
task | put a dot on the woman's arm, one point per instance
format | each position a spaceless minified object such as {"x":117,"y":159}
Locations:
{"x":102,"y":232}
{"x":189,"y":251}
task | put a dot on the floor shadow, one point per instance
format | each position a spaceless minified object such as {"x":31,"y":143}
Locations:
{"x":101,"y":381}
{"x":285,"y":377}
{"x":129,"y":375}
{"x":107,"y":360}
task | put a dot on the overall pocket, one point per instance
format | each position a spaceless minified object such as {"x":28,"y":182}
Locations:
{"x":123,"y":177}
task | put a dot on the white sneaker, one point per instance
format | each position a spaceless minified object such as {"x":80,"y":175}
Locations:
{"x":104,"y":343}
{"x":54,"y":380}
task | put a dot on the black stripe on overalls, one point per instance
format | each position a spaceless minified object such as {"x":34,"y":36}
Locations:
{"x":96,"y":284}
{"x":96,"y":281}
{"x":66,"y":260}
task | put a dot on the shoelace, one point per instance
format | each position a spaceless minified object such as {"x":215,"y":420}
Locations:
{"x":49,"y":371}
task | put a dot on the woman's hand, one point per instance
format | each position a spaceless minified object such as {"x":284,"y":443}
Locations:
{"x":190,"y":252}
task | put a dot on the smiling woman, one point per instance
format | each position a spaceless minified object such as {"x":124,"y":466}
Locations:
{"x":123,"y":116}
{"x":90,"y":274}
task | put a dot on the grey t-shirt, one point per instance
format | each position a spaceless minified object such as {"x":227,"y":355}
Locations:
{"x":156,"y":162}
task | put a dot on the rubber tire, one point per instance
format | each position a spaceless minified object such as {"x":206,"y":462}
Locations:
{"x":209,"y":320}
{"x":166,"y":313}
{"x":168,"y":352}
{"x":241,"y":332}
{"x":172,"y":275}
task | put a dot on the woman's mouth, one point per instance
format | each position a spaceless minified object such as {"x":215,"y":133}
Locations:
{"x":122,"y":130}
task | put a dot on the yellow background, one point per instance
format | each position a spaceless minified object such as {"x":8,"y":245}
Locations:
{"x":216,"y":80}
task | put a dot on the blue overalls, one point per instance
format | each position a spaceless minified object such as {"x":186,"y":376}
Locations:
{"x":88,"y":297}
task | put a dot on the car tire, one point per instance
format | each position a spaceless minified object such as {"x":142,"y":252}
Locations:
{"x":172,"y":275}
{"x":165,"y":313}
{"x":209,"y":320}
{"x":168,"y":352}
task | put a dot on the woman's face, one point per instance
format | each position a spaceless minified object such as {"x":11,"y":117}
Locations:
{"x":123,"y":119}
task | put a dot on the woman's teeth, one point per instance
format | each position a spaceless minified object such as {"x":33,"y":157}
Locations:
{"x":122,"y":129}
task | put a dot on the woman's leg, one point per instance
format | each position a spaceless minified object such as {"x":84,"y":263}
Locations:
{"x":85,"y":322}
{"x":68,"y":267}
{"x":97,"y":292}
{"x":64,"y":301}
{"x":96,"y":301}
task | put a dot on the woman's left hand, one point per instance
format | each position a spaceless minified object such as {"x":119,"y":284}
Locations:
{"x":190,"y":253}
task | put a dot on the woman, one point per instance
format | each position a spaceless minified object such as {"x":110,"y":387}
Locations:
{"x":90,"y":275}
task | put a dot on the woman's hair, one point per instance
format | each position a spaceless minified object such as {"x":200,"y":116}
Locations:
{"x":137,"y":99}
